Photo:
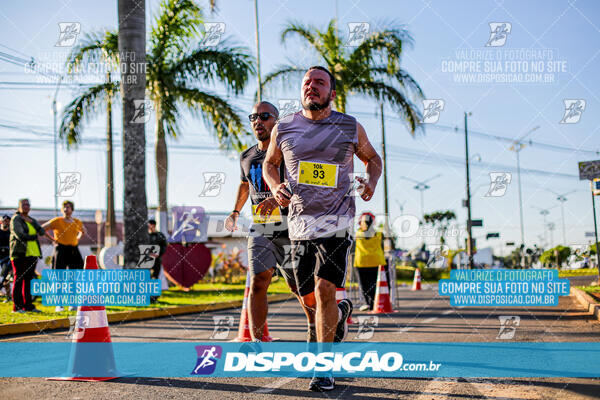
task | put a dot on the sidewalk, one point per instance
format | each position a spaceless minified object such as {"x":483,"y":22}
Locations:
{"x":136,"y":315}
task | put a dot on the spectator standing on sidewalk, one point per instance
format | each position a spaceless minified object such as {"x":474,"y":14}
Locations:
{"x":24,"y":251}
{"x":67,"y":232}
{"x":4,"y":248}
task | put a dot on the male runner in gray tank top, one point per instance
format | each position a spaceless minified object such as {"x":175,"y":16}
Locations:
{"x":317,"y":146}
{"x":268,"y":242}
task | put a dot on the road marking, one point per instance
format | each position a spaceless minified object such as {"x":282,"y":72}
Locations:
{"x":275,"y":385}
{"x":429,"y":320}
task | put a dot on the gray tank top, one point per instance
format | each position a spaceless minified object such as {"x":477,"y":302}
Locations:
{"x":319,"y":166}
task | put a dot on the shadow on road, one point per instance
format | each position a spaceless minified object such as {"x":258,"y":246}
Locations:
{"x":350,"y":388}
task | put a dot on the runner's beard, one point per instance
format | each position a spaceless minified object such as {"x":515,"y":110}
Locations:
{"x":314,"y":106}
{"x":264,"y":136}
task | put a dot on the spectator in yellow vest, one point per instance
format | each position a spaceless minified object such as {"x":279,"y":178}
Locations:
{"x":368,"y":257}
{"x":25,"y":250}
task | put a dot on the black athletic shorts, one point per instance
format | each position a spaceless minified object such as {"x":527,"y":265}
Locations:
{"x":67,"y":257}
{"x":327,"y":258}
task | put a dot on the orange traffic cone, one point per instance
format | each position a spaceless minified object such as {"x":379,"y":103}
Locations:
{"x":91,"y":326}
{"x":340,"y":294}
{"x":417,"y":281}
{"x":244,"y":328}
{"x":382,"y":302}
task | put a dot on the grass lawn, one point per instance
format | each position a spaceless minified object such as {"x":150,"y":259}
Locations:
{"x":200,"y":293}
{"x":577,"y":272}
{"x":593,"y":291}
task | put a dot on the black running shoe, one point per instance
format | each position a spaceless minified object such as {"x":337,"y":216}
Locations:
{"x":342,"y":327}
{"x":321,"y":384}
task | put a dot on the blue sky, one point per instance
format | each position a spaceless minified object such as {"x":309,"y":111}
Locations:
{"x":569,"y":31}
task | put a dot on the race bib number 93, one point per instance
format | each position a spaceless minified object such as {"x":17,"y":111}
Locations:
{"x":318,"y":174}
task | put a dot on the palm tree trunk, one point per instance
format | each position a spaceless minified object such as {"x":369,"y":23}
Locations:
{"x":162,"y":167}
{"x":109,"y":231}
{"x":132,"y":50}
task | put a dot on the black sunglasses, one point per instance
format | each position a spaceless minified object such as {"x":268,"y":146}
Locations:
{"x":263,"y":116}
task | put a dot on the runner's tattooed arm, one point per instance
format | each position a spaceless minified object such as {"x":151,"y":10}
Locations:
{"x":367,"y":154}
{"x":271,"y":165}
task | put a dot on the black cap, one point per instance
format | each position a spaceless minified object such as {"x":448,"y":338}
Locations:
{"x":5,"y":216}
{"x":152,"y":221}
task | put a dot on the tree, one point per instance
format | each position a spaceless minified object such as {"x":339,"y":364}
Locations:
{"x":179,"y":63}
{"x":177,"y":67}
{"x":371,"y":69}
{"x":132,"y":60}
{"x":556,"y":255}
{"x":440,"y":219}
{"x":92,"y":49}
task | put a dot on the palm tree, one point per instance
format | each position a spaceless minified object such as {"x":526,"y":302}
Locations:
{"x":132,"y":42}
{"x":177,"y":64}
{"x":440,"y":219}
{"x":371,"y":69}
{"x":89,"y":51}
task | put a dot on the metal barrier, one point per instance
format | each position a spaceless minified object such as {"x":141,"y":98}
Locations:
{"x":354,"y":290}
{"x":391,"y":262}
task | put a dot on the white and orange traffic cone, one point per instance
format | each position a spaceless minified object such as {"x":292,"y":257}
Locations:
{"x":91,"y":326}
{"x":244,"y":328}
{"x":382,"y":303}
{"x":417,"y":281}
{"x":340,"y":294}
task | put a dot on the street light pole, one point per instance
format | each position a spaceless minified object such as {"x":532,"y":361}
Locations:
{"x":595,"y":228}
{"x":421,"y":187}
{"x":562,"y":200}
{"x":259,"y":89}
{"x":544,"y":215}
{"x":401,"y":206}
{"x":386,"y":210}
{"x":551,"y":227}
{"x":469,"y":220}
{"x":517,"y":147}
{"x":518,"y":150}
{"x":544,"y":212}
{"x":54,"y":112}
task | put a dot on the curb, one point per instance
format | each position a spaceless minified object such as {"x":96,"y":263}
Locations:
{"x":136,"y":315}
{"x":587,"y":302}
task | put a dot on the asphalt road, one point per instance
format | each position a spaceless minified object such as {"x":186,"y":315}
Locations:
{"x":420,"y":317}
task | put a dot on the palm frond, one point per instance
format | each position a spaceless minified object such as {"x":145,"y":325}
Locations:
{"x":94,"y":48}
{"x":82,"y":109}
{"x":285,"y":75}
{"x":386,"y":46}
{"x":308,"y":33}
{"x":175,"y":25}
{"x":384,"y":93}
{"x":225,"y":63}
{"x":402,"y":78}
{"x":222,"y":119}
{"x":167,"y":114}
{"x":332,"y":45}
